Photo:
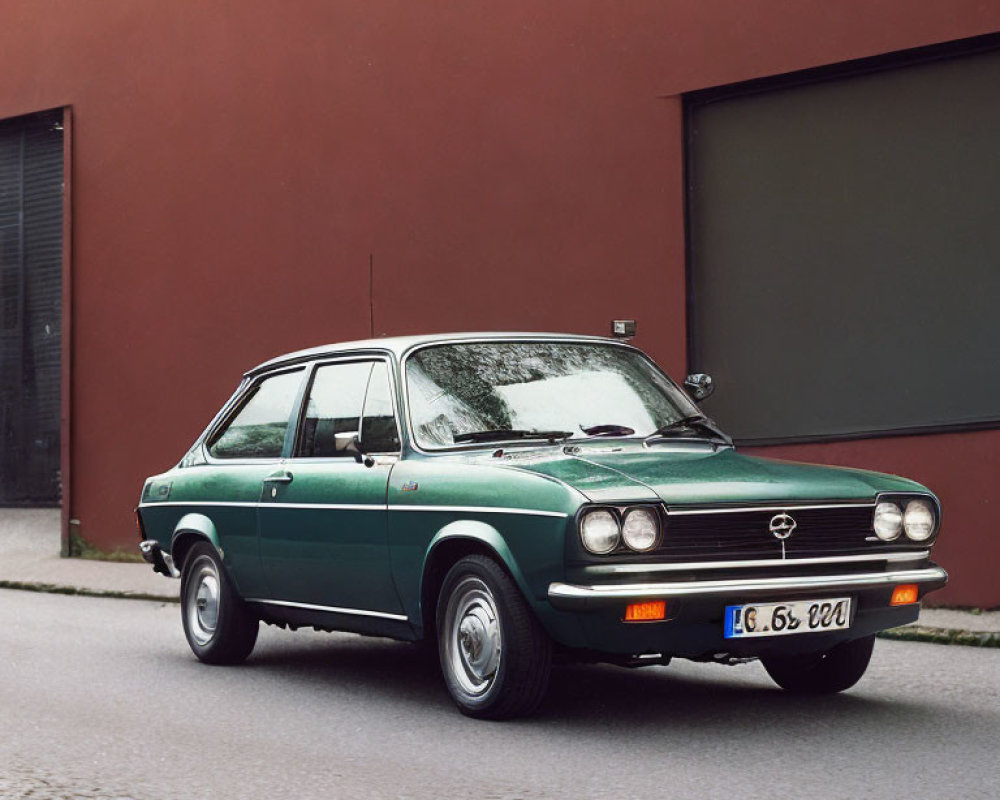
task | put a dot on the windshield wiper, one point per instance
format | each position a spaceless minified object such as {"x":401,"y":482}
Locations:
{"x":608,"y":430}
{"x":502,"y":435}
{"x":692,"y":421}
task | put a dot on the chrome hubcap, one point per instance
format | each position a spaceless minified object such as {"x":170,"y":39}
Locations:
{"x":203,"y":601}
{"x":473,"y":642}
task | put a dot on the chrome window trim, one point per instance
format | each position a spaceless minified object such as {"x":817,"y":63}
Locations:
{"x":691,"y":566}
{"x":354,"y":612}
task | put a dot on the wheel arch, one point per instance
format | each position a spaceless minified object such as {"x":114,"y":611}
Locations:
{"x":190,"y":529}
{"x":454,"y":541}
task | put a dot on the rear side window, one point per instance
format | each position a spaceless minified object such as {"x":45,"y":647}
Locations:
{"x":258,"y":429}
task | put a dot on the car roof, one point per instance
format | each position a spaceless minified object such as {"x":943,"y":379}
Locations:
{"x":399,"y":345}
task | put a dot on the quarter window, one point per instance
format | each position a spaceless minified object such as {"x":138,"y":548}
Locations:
{"x":259,"y":427}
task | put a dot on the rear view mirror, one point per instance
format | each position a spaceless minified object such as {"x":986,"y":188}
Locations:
{"x":699,"y":386}
{"x":349,"y":443}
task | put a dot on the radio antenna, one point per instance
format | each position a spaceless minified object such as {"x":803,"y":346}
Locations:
{"x":371,"y":293}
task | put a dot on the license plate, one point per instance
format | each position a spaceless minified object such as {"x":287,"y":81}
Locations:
{"x":782,"y":619}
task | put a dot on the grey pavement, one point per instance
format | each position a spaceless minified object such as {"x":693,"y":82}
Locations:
{"x":101,"y":699}
{"x":29,"y":558}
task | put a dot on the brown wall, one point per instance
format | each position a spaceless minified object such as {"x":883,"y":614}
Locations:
{"x":508,"y":165}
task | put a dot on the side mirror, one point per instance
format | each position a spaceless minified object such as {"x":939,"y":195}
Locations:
{"x":348,"y":442}
{"x":699,"y":386}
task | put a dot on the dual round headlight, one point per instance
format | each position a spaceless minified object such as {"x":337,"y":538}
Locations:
{"x":602,"y":530}
{"x":917,"y":520}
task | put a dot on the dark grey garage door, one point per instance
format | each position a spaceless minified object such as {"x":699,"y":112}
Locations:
{"x":845,"y":248}
{"x":31,"y":218}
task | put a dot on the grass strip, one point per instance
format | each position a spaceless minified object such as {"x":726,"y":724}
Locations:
{"x":923,"y":633}
{"x":51,"y":588}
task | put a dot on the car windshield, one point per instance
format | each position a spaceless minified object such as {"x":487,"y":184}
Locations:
{"x":476,"y":391}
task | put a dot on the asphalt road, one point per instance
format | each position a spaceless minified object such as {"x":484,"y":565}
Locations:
{"x":101,"y":698}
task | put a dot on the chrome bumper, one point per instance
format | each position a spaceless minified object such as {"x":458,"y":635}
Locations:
{"x":153,"y":554}
{"x":570,"y":597}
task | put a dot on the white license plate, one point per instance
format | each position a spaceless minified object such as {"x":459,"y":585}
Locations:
{"x":782,"y":619}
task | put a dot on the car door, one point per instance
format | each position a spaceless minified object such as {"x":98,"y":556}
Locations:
{"x":322,"y":517}
{"x":245,"y":446}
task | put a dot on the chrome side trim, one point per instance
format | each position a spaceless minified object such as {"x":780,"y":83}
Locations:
{"x":696,"y":566}
{"x":481,"y":510}
{"x":567,"y":596}
{"x":199,"y":503}
{"x":354,"y":612}
{"x":743,"y":509}
{"x":362,"y":507}
{"x":326,"y":506}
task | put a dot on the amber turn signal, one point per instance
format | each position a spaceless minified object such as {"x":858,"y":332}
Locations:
{"x":904,"y":594}
{"x":646,"y":612}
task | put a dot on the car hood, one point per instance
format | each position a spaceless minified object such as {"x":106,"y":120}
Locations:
{"x":696,"y":474}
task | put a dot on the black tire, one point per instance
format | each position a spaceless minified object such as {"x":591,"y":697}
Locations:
{"x":832,"y":671}
{"x":217,"y":624}
{"x":495,"y":656}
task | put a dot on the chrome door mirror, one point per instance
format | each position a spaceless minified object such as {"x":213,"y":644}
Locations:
{"x":348,"y":443}
{"x":699,"y":386}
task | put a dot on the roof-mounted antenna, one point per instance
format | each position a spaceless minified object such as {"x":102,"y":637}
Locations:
{"x":371,"y":293}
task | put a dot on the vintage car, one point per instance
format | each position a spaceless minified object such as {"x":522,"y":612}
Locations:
{"x":519,"y":497}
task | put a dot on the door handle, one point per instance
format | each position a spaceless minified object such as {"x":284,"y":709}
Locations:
{"x":280,"y":477}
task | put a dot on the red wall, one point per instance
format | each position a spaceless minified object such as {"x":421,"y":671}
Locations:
{"x":963,"y":470}
{"x":508,"y":165}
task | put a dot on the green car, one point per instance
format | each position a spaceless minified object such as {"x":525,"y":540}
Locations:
{"x":516,"y":498}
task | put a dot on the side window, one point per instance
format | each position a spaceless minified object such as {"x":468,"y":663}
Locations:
{"x":378,"y":424}
{"x":350,"y":399}
{"x":334,"y":407}
{"x":258,"y":428}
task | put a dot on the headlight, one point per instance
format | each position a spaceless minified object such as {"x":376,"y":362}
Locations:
{"x":888,"y":521}
{"x":640,"y":529}
{"x":918,"y":520}
{"x":599,"y":531}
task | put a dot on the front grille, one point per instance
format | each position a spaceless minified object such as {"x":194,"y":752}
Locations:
{"x":717,"y":534}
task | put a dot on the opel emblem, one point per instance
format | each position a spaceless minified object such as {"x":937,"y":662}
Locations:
{"x":782,"y":526}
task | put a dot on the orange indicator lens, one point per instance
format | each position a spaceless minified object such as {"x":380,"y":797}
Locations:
{"x":646,"y":612}
{"x":904,"y":594}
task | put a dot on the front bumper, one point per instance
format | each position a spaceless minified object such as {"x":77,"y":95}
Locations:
{"x":573,"y":597}
{"x":592,"y":613}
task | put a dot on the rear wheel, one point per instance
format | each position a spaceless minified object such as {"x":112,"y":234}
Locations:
{"x":494,"y":654}
{"x":828,"y":672}
{"x":217,"y":624}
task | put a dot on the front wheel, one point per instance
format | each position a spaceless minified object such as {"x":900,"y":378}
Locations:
{"x":828,"y":672}
{"x":217,"y":624}
{"x":495,"y":656}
